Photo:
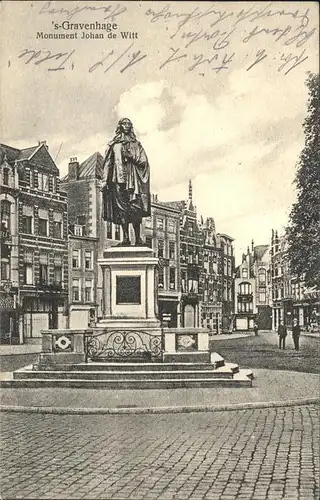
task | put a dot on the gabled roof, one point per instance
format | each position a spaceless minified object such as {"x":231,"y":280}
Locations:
{"x":38,"y":154}
{"x":27,"y":153}
{"x":178,"y":205}
{"x":12,"y":154}
{"x":92,"y":167}
{"x":259,"y":251}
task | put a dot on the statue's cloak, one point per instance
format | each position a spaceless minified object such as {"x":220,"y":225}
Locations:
{"x":126,"y":182}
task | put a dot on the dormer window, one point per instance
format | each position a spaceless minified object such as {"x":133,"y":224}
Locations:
{"x":43,"y":182}
{"x":5,"y":176}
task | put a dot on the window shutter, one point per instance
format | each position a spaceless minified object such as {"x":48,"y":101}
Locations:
{"x":51,"y":183}
{"x":36,"y":182}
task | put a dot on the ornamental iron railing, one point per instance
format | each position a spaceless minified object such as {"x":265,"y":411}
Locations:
{"x":122,"y":345}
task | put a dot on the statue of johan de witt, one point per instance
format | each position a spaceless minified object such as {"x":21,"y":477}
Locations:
{"x":126,"y":182}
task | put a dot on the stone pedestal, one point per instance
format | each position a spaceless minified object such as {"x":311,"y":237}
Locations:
{"x":129,"y":288}
{"x":186,"y":345}
{"x":65,"y":347}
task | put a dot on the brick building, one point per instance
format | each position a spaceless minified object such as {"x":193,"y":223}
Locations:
{"x":252,"y":289}
{"x":226,"y":275}
{"x":161,"y":231}
{"x":290,"y":297}
{"x":211,"y":278}
{"x":191,"y":261}
{"x":87,"y":234}
{"x":39,"y":253}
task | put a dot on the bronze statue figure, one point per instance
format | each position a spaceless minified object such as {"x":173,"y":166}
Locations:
{"x":126,"y":182}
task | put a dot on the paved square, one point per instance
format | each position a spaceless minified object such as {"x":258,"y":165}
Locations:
{"x":250,"y":454}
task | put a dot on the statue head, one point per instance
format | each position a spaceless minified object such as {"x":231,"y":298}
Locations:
{"x":125,"y":127}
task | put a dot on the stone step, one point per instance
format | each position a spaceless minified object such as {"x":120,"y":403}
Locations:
{"x":27,"y":373}
{"x":130,"y":367}
{"x":240,"y":381}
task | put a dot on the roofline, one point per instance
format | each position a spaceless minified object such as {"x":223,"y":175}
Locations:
{"x":226,"y":236}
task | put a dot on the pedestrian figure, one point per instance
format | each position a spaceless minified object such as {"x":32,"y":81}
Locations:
{"x":282,"y":332}
{"x":296,"y":330}
{"x":255,"y":329}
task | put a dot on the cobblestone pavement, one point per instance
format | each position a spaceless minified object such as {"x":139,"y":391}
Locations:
{"x":249,"y":454}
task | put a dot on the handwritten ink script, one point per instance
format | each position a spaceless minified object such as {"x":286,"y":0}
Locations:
{"x":110,"y":12}
{"x":202,"y":40}
{"x":224,"y":31}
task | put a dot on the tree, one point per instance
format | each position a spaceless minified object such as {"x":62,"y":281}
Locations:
{"x":303,"y":231}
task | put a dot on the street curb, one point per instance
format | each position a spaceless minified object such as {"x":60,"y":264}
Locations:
{"x":156,"y":410}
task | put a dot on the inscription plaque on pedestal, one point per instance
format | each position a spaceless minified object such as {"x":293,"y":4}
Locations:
{"x":128,"y":290}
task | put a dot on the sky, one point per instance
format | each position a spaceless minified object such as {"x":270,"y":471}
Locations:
{"x":215,"y":90}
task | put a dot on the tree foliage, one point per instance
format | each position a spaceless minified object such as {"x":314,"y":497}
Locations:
{"x":303,"y":231}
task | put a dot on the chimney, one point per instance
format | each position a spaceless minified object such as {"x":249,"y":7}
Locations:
{"x":272,"y":237}
{"x":44,"y":143}
{"x":73,"y":169}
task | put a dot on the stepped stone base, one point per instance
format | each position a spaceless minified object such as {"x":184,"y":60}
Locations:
{"x":165,"y":375}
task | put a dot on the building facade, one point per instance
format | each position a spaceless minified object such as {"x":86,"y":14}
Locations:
{"x":245,"y":307}
{"x":191,"y":262}
{"x":211,"y":279}
{"x":226,"y":275}
{"x":87,"y":233}
{"x":290,"y":298}
{"x":252,"y":289}
{"x":39,"y":251}
{"x":161,"y":231}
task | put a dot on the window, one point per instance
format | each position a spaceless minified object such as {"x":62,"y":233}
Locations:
{"x":78,"y":230}
{"x":57,"y":224}
{"x":172,"y":278}
{"x":5,"y":215}
{"x":57,"y":269}
{"x":160,"y":223}
{"x":88,"y":291}
{"x":160,"y":248}
{"x":244,"y":288}
{"x":28,"y":267}
{"x":43,"y":222}
{"x":53,"y":183}
{"x":109,"y":230}
{"x":262,"y":296}
{"x":57,"y":275}
{"x":6,"y":176}
{"x":75,"y":259}
{"x":76,"y":290}
{"x":171,"y":226}
{"x":27,"y":220}
{"x":117,"y":232}
{"x":149,"y":241}
{"x":28,"y":274}
{"x":183,"y":282}
{"x":27,"y":224}
{"x":5,"y":269}
{"x":43,"y":274}
{"x":244,"y":272}
{"x":88,"y":259}
{"x":148,"y":222}
{"x":262,"y":276}
{"x":43,"y":227}
{"x":43,"y":261}
{"x":172,"y":250}
{"x":57,"y":227}
{"x":161,"y":278}
{"x":43,"y":182}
